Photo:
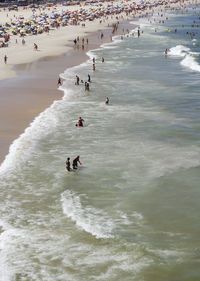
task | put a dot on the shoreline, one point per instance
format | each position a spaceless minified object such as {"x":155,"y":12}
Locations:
{"x":35,"y":87}
{"x":32,"y":86}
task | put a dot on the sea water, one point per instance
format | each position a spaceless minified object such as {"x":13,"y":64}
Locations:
{"x":131,"y":210}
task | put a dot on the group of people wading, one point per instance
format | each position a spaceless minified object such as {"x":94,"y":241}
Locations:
{"x":76,"y":161}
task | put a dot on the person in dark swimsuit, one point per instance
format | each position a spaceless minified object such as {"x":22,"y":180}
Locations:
{"x":68,"y":165}
{"x":107,"y":101}
{"x":75,"y":162}
{"x":80,"y":122}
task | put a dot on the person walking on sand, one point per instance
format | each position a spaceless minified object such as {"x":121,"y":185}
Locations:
{"x":68,"y":165}
{"x":5,"y":59}
{"x":75,"y":162}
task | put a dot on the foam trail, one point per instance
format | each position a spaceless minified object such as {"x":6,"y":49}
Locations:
{"x":89,"y":219}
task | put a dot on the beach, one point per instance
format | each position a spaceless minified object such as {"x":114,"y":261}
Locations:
{"x":19,"y":108}
{"x":23,"y":106}
{"x":100,"y":180}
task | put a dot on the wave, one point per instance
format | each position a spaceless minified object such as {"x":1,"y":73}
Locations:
{"x":190,"y":62}
{"x":178,"y":51}
{"x":91,"y":220}
{"x":22,"y":148}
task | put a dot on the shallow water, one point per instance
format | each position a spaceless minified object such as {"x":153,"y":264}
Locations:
{"x":130,"y":212}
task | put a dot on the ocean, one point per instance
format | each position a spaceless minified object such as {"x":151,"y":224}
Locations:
{"x":130,"y":211}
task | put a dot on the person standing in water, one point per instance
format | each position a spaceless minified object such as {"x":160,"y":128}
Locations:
{"x":75,"y":162}
{"x":87,"y":86}
{"x":138,"y":32}
{"x":77,"y":80}
{"x":59,"y":81}
{"x":107,"y":101}
{"x":68,"y":165}
{"x":80,"y":122}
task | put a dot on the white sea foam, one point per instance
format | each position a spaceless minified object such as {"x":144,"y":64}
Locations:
{"x":91,"y":54}
{"x":190,"y":62}
{"x":178,"y":51}
{"x":110,"y":47}
{"x":188,"y":57}
{"x":129,"y":264}
{"x":90,"y":219}
{"x":22,"y":148}
{"x":134,"y":219}
{"x":6,"y":237}
{"x":112,"y":44}
{"x":168,"y":255}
